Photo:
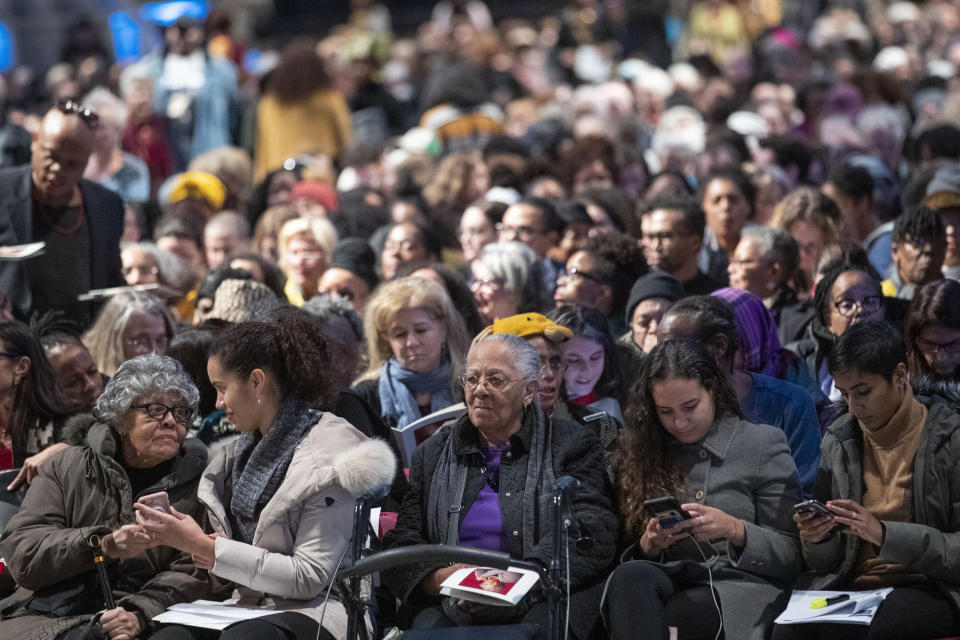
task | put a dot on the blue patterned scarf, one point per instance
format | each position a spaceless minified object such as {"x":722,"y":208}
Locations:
{"x":399,"y":388}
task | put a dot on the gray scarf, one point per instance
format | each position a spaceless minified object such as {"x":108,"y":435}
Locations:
{"x":537,"y":484}
{"x":261,"y":464}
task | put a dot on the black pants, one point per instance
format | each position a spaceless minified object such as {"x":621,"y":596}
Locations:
{"x":643,"y":601}
{"x":289,"y":625}
{"x":908,"y":613}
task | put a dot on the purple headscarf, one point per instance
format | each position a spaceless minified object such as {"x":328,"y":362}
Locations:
{"x":761,"y":346}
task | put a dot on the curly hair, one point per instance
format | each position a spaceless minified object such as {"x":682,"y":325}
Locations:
{"x":643,"y":464}
{"x":451,"y":179}
{"x":933,"y":305}
{"x":618,"y":259}
{"x":142,"y":379}
{"x":300,"y":72}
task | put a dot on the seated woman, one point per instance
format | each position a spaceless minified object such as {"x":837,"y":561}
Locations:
{"x":416,"y":344}
{"x":593,"y":373}
{"x":933,"y":332}
{"x":507,"y":280}
{"x":685,"y":438}
{"x":503,"y":457}
{"x":764,"y":263}
{"x":305,"y":247}
{"x":888,"y":475}
{"x":80,"y":382}
{"x":80,"y":506}
{"x":131,"y":324}
{"x":280,"y":497}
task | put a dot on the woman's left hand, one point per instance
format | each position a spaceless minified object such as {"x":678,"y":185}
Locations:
{"x":708,"y":523}
{"x":861,"y":522}
{"x":120,"y":624}
{"x":173,"y":529}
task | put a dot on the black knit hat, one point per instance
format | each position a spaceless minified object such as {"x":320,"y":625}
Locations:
{"x":653,"y":285}
{"x":356,"y":256}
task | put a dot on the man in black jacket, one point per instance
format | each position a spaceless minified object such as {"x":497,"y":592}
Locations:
{"x":80,"y":221}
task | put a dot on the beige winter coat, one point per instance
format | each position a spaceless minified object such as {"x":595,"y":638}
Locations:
{"x":305,"y":528}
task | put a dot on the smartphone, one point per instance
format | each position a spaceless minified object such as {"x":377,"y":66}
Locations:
{"x":667,"y":510}
{"x":159,"y":501}
{"x":814,"y":507}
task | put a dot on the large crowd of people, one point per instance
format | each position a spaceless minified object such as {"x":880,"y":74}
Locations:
{"x":703,"y":253}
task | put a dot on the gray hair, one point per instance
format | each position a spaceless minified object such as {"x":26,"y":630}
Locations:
{"x":518,"y":266}
{"x":107,"y":106}
{"x":525,"y":357}
{"x":105,"y":337}
{"x":775,"y":245}
{"x":142,"y":379}
{"x":332,"y":310}
{"x":229,"y":222}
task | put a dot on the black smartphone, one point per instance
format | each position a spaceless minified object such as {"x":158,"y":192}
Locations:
{"x":667,"y":510}
{"x":814,"y":507}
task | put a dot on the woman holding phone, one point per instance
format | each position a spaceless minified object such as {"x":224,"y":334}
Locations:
{"x":888,"y":479}
{"x":736,"y":485}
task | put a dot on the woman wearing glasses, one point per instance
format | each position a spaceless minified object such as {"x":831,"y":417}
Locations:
{"x":933,"y":332}
{"x":81,"y":506}
{"x":279,"y":498}
{"x":132,"y":323}
{"x":499,"y":462}
{"x":507,"y":280}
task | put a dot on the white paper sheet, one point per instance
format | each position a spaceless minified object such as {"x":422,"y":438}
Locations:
{"x":859,"y":609}
{"x":207,"y":614}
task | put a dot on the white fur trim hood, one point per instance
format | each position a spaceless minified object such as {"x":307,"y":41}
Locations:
{"x":366,"y":466}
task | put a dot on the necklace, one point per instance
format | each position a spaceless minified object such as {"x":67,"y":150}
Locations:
{"x":56,"y":226}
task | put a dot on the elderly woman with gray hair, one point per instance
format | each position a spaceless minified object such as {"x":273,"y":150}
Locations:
{"x":80,"y":506}
{"x":132,"y":323}
{"x":506,"y":281}
{"x":499,"y":462}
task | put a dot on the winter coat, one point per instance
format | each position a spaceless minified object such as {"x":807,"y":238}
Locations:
{"x":931,"y":543}
{"x":577,"y":452}
{"x":81,"y":493}
{"x":746,"y":470}
{"x":305,"y":528}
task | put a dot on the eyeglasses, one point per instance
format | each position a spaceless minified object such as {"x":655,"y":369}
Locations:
{"x":557,"y":365}
{"x":495,"y":381}
{"x":147,"y":343}
{"x":931,"y":348}
{"x":489,"y":281}
{"x":86,"y":114}
{"x":574,"y":273}
{"x":523,"y":231}
{"x":159,"y":411}
{"x":140,"y":269}
{"x":845,"y":307}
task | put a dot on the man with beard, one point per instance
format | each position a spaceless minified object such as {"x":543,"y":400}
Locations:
{"x":671,"y":238}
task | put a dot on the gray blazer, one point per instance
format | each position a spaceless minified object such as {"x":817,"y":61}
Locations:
{"x":746,"y":470}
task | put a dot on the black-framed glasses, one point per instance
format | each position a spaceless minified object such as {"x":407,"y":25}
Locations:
{"x":846,"y":307}
{"x":86,"y":114}
{"x":574,"y":273}
{"x":495,"y":381}
{"x":931,"y":348}
{"x":159,"y":411}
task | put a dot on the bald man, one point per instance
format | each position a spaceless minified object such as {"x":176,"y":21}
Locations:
{"x":80,"y":221}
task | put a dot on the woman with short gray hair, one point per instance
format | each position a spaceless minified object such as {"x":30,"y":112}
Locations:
{"x":764,"y":263}
{"x":499,"y":463}
{"x":507,"y":281}
{"x":80,"y":506}
{"x":132,"y":323}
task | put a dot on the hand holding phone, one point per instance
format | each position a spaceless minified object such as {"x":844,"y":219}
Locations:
{"x":666,"y":510}
{"x":159,"y":501}
{"x":814,"y":520}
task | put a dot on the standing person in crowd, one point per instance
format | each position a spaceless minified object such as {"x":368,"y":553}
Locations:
{"x":306,"y":246}
{"x":301,"y":111}
{"x":671,"y":236}
{"x":815,"y":223}
{"x":81,"y":505}
{"x":593,"y":376}
{"x":506,"y":280}
{"x":932,"y":332}
{"x":131,"y":324}
{"x":498,"y":462}
{"x":763,"y":399}
{"x":686,"y":437}
{"x":109,"y":165}
{"x":764,"y":264}
{"x":536,"y":223}
{"x":478,"y":227}
{"x":33,"y":407}
{"x":145,"y":134}
{"x":886,"y":476}
{"x":918,"y":249}
{"x":280,"y":496}
{"x":80,"y":221}
{"x":416,"y":344}
{"x":650,"y":297}
{"x":594,"y":276}
{"x":726,"y":197}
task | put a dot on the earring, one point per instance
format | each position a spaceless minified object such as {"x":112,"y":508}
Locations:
{"x":258,"y":399}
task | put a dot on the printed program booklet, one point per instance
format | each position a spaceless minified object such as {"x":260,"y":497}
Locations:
{"x":408,"y":438}
{"x":22,"y":251}
{"x":858,"y":607}
{"x":497,"y":587}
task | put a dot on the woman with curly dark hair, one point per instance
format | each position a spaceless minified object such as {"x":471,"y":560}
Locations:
{"x":933,"y":331}
{"x":300,"y":112}
{"x":735,"y":550}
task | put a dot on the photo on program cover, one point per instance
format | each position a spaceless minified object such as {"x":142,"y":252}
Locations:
{"x":493,"y":580}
